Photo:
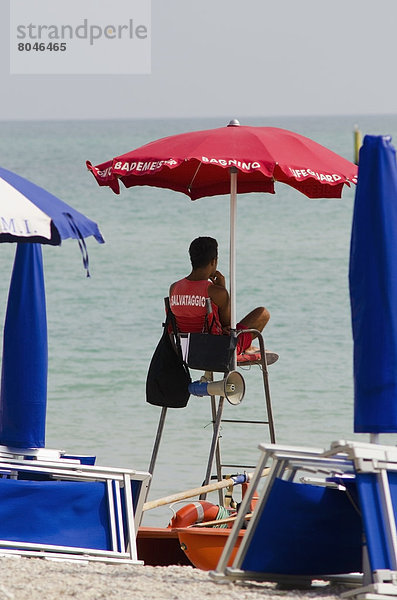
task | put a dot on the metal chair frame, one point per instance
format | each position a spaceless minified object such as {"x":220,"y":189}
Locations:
{"x":217,"y":420}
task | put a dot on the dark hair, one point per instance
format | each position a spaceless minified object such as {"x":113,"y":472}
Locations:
{"x":202,"y":251}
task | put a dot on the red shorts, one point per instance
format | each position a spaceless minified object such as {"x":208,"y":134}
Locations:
{"x":244,"y":340}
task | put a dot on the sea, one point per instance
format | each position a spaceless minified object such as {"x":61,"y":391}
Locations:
{"x":292,"y":257}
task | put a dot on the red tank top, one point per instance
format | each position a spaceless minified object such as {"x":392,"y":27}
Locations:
{"x":188,"y":303}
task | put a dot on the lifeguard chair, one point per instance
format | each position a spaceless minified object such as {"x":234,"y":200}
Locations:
{"x":231,"y":388}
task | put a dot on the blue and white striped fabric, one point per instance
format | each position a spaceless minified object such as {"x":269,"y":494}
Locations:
{"x":30,"y":213}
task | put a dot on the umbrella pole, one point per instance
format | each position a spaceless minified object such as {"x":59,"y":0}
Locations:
{"x":232,"y":253}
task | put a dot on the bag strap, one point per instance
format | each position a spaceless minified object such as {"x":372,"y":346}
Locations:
{"x":170,"y":319}
{"x":206,"y":327}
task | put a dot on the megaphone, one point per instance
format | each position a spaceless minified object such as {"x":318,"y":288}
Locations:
{"x":232,"y":387}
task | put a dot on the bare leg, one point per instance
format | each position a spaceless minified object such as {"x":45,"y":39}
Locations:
{"x":256,"y":319}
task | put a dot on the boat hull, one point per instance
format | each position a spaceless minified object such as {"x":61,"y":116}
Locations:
{"x":204,"y":545}
{"x":160,"y":547}
{"x":200,"y":547}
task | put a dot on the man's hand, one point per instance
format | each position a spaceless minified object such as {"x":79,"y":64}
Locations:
{"x":218,"y":279}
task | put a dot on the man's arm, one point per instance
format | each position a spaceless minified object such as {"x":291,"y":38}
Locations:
{"x":219,"y":294}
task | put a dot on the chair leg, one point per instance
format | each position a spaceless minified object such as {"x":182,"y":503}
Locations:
{"x":214,"y":443}
{"x":156,"y":446}
{"x":268,"y":401}
{"x":266,"y":387}
{"x":218,"y":462}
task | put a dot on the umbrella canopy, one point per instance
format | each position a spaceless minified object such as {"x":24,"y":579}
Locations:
{"x":373,"y":288}
{"x":30,"y":214}
{"x":198,"y":163}
{"x":233,"y":159}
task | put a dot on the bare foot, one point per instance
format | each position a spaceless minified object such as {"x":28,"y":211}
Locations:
{"x":251,"y":350}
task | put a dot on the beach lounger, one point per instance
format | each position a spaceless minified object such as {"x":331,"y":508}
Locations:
{"x":316,"y":529}
{"x":375,"y":468}
{"x":302,"y":528}
{"x":57,"y":507}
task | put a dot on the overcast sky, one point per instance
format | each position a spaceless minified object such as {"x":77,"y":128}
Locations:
{"x":223,"y":57}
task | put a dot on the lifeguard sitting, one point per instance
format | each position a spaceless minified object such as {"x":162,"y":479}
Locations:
{"x":188,"y":299}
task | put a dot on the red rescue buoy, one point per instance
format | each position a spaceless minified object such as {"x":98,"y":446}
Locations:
{"x":194,"y":512}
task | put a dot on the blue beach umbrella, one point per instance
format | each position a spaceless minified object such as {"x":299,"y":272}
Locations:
{"x":30,"y":214}
{"x":373,"y":288}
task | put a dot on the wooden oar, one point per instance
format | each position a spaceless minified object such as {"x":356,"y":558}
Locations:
{"x":204,"y":489}
{"x":218,"y":521}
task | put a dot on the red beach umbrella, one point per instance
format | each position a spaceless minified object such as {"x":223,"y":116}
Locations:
{"x":233,"y":159}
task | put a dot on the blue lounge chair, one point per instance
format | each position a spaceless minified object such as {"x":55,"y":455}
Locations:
{"x":60,"y":507}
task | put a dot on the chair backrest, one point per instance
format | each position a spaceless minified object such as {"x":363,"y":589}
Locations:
{"x":208,"y":305}
{"x":323,"y":521}
{"x":65,"y":509}
{"x":202,"y":351}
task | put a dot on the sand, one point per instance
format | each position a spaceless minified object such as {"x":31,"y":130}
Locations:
{"x":41,"y":579}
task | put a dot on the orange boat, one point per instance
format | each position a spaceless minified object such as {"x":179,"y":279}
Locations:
{"x":204,"y":545}
{"x":184,"y":542}
{"x":160,"y":547}
{"x":200,"y":547}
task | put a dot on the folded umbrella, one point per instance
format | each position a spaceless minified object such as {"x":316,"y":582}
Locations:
{"x":373,"y":288}
{"x":23,"y":398}
{"x":31,"y":216}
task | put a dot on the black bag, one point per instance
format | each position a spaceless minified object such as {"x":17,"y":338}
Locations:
{"x":209,"y":352}
{"x":168,"y":377}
